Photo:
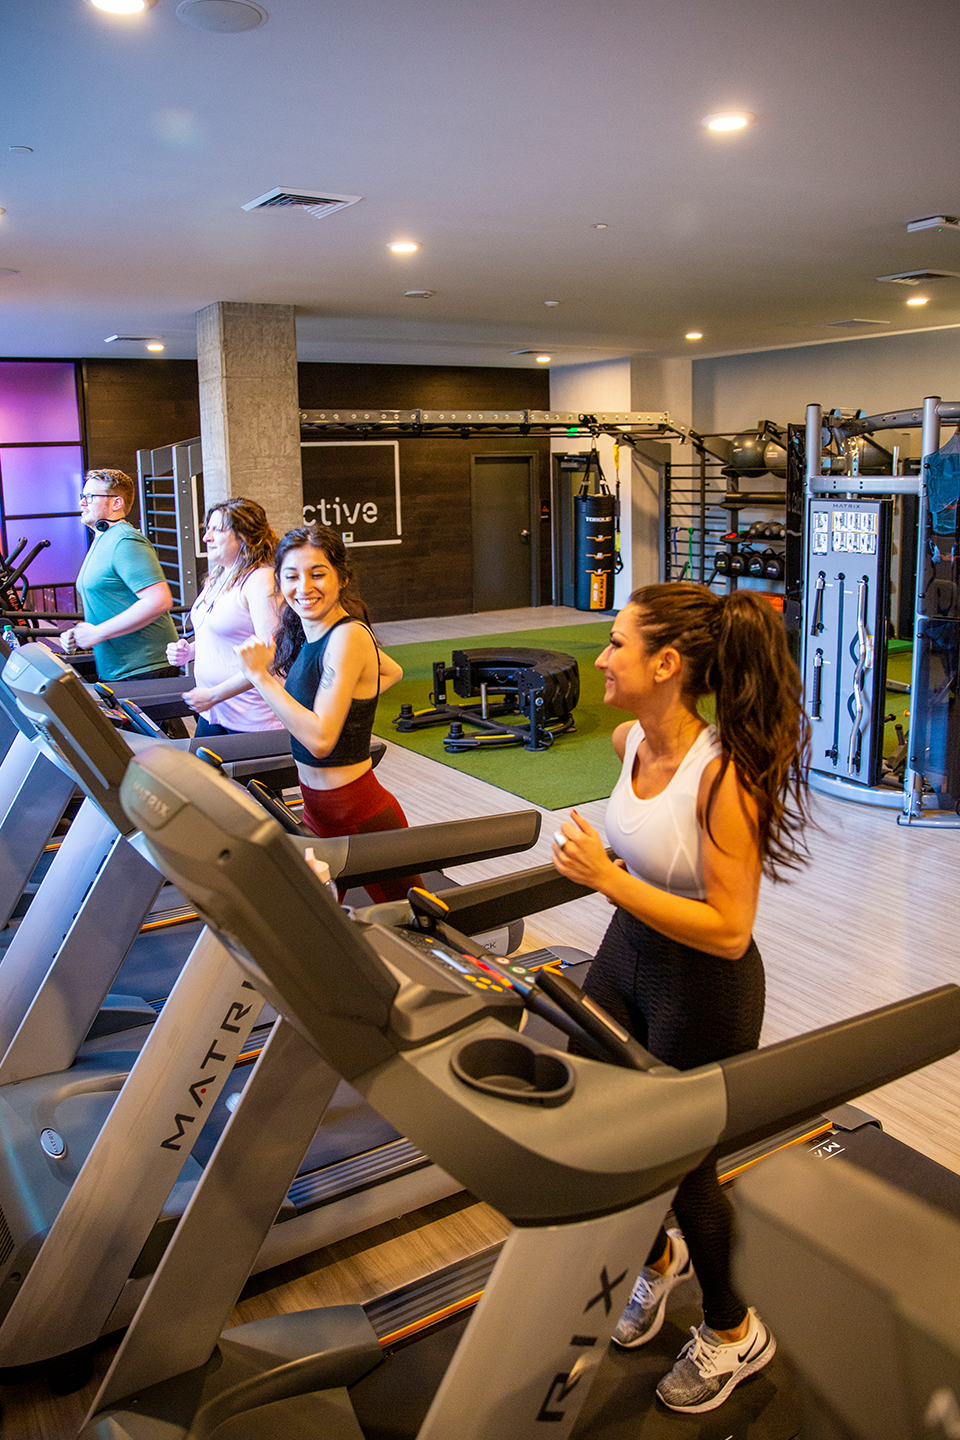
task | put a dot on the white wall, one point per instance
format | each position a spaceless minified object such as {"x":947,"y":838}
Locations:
{"x":872,"y":373}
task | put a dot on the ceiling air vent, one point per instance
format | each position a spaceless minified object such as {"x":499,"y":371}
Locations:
{"x":314,"y":202}
{"x":918,"y":277}
{"x":850,"y":324}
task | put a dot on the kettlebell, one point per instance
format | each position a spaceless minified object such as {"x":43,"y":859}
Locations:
{"x":738,"y":562}
{"x":755,"y":563}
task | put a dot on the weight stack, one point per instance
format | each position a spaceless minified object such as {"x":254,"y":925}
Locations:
{"x":594,"y":551}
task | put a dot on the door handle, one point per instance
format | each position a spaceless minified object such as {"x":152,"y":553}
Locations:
{"x":525,"y":537}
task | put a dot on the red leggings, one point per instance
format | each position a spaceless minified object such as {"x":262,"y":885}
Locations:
{"x":359,"y":808}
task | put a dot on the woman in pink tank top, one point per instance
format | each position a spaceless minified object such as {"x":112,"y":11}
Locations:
{"x":236,"y":603}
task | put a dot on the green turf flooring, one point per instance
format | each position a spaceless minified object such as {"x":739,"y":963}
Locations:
{"x":580,"y":766}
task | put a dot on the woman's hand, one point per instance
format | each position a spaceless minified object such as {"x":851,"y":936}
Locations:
{"x":180,"y":652}
{"x":255,"y":658}
{"x":200,"y":700}
{"x":579,"y":854}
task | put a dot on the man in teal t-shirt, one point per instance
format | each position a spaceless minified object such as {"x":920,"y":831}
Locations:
{"x":122,"y":589}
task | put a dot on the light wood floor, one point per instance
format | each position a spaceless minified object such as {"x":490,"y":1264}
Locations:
{"x":873,"y":918}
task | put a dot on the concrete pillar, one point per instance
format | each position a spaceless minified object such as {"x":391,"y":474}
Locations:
{"x":249,"y":407}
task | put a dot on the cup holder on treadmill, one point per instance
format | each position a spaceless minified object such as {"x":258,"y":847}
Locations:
{"x":513,"y":1068}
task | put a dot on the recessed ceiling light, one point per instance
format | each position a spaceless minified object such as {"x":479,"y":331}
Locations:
{"x":601,"y":225}
{"x":9,"y":272}
{"x":223,"y":16}
{"x":404,"y":247}
{"x":728,"y":120}
{"x":693,"y":335}
{"x":543,"y":359}
{"x":155,"y":345}
{"x":551,"y":304}
{"x":20,"y":149}
{"x":123,"y":7}
{"x":419,"y":294}
{"x":917,"y":300}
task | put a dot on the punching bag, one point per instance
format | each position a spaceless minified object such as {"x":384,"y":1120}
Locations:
{"x":594,"y":559}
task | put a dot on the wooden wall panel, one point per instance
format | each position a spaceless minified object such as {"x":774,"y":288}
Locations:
{"x":139,"y":404}
{"x":133,"y":405}
{"x":430,"y":573}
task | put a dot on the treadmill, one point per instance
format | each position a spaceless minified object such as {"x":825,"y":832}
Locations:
{"x":88,"y":911}
{"x":76,"y":1197}
{"x":34,"y":793}
{"x":861,"y":1283}
{"x":582,"y":1156}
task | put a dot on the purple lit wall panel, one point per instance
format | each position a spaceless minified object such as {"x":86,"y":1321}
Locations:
{"x":38,"y":401}
{"x":39,"y":480}
{"x":68,"y":545}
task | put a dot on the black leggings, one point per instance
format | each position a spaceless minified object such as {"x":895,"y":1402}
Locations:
{"x":687,"y":1008}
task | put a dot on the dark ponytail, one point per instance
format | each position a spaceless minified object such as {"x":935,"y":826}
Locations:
{"x":290,"y":638}
{"x":736,"y":649}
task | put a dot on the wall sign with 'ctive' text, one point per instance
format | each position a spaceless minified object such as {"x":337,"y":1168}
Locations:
{"x":353,"y":487}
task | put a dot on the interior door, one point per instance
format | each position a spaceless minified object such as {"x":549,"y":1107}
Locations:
{"x":506,"y":536}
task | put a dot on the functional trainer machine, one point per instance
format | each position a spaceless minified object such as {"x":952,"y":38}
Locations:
{"x":583,"y":1157}
{"x":846,"y":598}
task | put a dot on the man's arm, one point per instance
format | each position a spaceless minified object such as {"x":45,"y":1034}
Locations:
{"x":150,"y":604}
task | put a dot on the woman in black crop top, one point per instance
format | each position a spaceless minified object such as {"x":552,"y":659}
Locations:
{"x":333,"y":672}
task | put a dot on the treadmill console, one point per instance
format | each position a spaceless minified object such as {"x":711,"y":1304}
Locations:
{"x":435,"y":974}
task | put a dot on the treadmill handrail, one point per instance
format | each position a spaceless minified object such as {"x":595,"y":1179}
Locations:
{"x":770,"y":1089}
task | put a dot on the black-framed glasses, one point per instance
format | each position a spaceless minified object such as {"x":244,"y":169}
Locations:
{"x":87,"y":495}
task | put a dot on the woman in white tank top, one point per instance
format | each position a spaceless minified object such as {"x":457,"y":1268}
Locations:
{"x":237,"y":602}
{"x":698,"y":815}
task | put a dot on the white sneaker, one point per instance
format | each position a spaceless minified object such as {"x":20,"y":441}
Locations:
{"x":643,"y":1316}
{"x":708,"y":1369}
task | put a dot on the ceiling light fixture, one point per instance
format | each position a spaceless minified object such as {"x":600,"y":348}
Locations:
{"x":693,"y":335}
{"x":419,"y":294}
{"x":934,"y":222}
{"x":9,"y":272}
{"x":601,"y":225}
{"x":917,"y":300}
{"x":20,"y":149}
{"x":551,"y":304}
{"x":403,"y":247}
{"x":155,"y":345}
{"x":123,"y":7}
{"x":723,"y":120}
{"x":543,"y":359}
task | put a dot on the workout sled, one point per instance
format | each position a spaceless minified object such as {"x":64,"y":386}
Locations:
{"x":542,"y":686}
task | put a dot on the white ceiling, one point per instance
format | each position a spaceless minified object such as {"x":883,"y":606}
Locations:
{"x":496,"y":133}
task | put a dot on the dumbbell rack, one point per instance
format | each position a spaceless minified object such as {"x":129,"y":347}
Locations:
{"x":702,"y":506}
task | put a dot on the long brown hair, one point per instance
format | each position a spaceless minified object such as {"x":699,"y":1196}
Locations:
{"x":735,"y":648}
{"x":290,"y":637}
{"x":248,"y":521}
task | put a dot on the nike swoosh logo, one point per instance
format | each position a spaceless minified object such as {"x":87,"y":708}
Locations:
{"x":745,"y":1354}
